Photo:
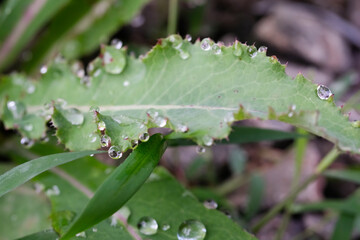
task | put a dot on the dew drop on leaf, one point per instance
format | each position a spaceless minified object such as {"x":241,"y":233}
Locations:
{"x":54,"y":191}
{"x":147,"y":226}
{"x":252,"y":51}
{"x":323,"y":92}
{"x":205,"y":44}
{"x":101,"y":126}
{"x":116,"y":43}
{"x":115,"y":152}
{"x":105,"y":141}
{"x":191,"y":230}
{"x":126,"y":83}
{"x":27,"y":142}
{"x":182,"y":128}
{"x":28,"y":127}
{"x":144,"y":137}
{"x":262,"y":49}
{"x":184,"y":54}
{"x":200,"y":149}
{"x":216,"y":49}
{"x":176,"y":41}
{"x":188,"y":37}
{"x":229,"y":117}
{"x":134,"y":143}
{"x":86,"y":80}
{"x":94,"y":229}
{"x":74,"y":116}
{"x":30,"y":88}
{"x":17,"y":109}
{"x":81,"y":235}
{"x":165,"y":227}
{"x":61,"y":102}
{"x":43,"y":69}
{"x":94,"y":109}
{"x":210,"y":204}
{"x":207,"y":140}
{"x":160,"y":121}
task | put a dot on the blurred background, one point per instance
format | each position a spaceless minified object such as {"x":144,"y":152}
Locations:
{"x":319,"y":38}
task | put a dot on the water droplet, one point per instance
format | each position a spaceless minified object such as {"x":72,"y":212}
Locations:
{"x":182,"y":128}
{"x":134,"y":143}
{"x":262,"y":49}
{"x":27,"y":142}
{"x":191,"y":230}
{"x":101,"y":126}
{"x":81,"y":234}
{"x":43,"y":69}
{"x":105,"y":141}
{"x":115,"y":152}
{"x":216,"y":49}
{"x":147,"y":226}
{"x":44,"y":139}
{"x":74,"y":116}
{"x":126,"y":83}
{"x":200,"y":149}
{"x":94,"y":229}
{"x":94,"y":109}
{"x":176,"y":41}
{"x":207,"y":140}
{"x":323,"y":92}
{"x":184,"y":54}
{"x":28,"y":127}
{"x":30,"y":88}
{"x":205,"y":44}
{"x":39,"y":187}
{"x":17,"y":109}
{"x":116,"y":43}
{"x":144,"y":137}
{"x":152,"y":113}
{"x":229,"y":117}
{"x":54,"y":191}
{"x":237,"y":50}
{"x":165,"y":227}
{"x":210,"y":204}
{"x":252,"y":51}
{"x":188,"y":37}
{"x":160,"y":121}
{"x":61,"y":102}
{"x":292,"y":111}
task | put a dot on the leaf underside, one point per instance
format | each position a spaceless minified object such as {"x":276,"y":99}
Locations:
{"x":176,"y":85}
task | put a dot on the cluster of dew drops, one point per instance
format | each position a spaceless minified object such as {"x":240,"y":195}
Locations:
{"x":190,"y":229}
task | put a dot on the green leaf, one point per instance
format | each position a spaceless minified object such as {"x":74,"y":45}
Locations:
{"x":352,"y":175}
{"x":44,"y":235}
{"x":194,"y":92}
{"x":24,"y":172}
{"x":256,"y":192}
{"x":119,"y":187}
{"x":344,"y":226}
{"x":25,"y":18}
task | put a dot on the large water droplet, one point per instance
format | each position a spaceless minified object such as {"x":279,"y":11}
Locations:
{"x":105,"y":141}
{"x":205,"y":44}
{"x":101,"y":126}
{"x":200,"y":149}
{"x":182,"y":128}
{"x":323,"y":92}
{"x":191,"y":230}
{"x":144,"y":137}
{"x":184,"y":54}
{"x":252,"y":51}
{"x":147,"y":226}
{"x":115,"y":152}
{"x":165,"y":227}
{"x":216,"y":49}
{"x":74,"y":116}
{"x":17,"y":109}
{"x":43,"y":69}
{"x":134,"y":143}
{"x":237,"y":51}
{"x":207,"y":140}
{"x":116,"y":43}
{"x":27,"y":142}
{"x":210,"y":204}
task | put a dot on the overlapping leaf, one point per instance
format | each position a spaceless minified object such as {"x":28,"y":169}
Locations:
{"x":179,"y":85}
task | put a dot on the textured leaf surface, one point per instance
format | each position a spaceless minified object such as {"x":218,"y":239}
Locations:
{"x":24,"y":172}
{"x":199,"y":97}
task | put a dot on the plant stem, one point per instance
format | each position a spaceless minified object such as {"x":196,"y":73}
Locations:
{"x":300,"y":149}
{"x":172,"y":17}
{"x":324,"y":163}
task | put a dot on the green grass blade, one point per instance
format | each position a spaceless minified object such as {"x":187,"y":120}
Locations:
{"x":119,"y":187}
{"x":255,"y":195}
{"x":352,"y":175}
{"x":344,"y":227}
{"x":24,"y":172}
{"x":44,"y":235}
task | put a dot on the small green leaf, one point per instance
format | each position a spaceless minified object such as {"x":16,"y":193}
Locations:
{"x":24,"y":172}
{"x":119,"y":187}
